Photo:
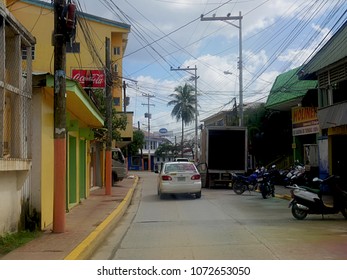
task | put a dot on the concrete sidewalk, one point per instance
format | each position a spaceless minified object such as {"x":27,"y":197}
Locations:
{"x":87,"y":224}
{"x":282,"y":192}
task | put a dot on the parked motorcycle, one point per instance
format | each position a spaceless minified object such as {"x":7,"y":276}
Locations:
{"x":242,"y":183}
{"x":266,"y":182}
{"x":307,"y":200}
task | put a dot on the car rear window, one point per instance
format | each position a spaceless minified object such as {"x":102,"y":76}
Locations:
{"x":182,"y":167}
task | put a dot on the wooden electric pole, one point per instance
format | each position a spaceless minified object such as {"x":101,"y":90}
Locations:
{"x":59,"y":200}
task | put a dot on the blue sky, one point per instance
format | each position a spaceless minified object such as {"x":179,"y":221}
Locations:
{"x":277,"y":35}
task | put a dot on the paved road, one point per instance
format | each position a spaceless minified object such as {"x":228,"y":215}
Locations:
{"x":220,"y":225}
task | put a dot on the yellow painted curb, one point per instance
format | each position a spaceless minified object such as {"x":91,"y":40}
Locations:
{"x":87,"y":246}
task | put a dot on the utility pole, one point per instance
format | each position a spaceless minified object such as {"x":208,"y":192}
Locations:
{"x":227,"y":19}
{"x":148,"y":115}
{"x":138,"y":128}
{"x":125,"y":96}
{"x":59,"y":200}
{"x":196,"y":106}
{"x":108,"y":154}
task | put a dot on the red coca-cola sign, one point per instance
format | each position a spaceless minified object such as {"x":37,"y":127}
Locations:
{"x":89,"y":78}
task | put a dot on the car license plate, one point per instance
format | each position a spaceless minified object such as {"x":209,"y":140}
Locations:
{"x":181,"y":179}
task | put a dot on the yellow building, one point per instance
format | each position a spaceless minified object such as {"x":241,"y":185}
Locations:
{"x":84,"y":54}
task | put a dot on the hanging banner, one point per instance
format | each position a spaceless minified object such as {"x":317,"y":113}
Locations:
{"x":89,"y":78}
{"x":304,"y":120}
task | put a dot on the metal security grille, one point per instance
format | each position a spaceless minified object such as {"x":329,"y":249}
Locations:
{"x":333,"y":76}
{"x":15,"y":101}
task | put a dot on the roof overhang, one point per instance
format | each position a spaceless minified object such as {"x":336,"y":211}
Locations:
{"x":78,"y":103}
{"x":288,"y":91}
{"x":332,"y":116}
{"x":334,"y":50}
{"x":285,"y":106}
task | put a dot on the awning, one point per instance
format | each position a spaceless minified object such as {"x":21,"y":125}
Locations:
{"x":79,"y":103}
{"x":332,"y":116}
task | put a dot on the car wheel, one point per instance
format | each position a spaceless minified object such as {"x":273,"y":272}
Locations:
{"x":198,"y":195}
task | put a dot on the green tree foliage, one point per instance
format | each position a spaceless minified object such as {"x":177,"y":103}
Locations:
{"x":137,"y":143}
{"x":166,"y":149}
{"x":119,"y":120}
{"x":184,"y":106}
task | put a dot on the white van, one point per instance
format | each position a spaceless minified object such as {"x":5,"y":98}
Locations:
{"x":119,"y":169}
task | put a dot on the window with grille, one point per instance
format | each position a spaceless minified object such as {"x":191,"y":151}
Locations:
{"x":25,"y":52}
{"x":116,"y":50}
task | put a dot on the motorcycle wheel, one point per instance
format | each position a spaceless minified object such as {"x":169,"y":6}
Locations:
{"x":264,"y":195}
{"x":238,"y":188}
{"x":344,"y":212}
{"x":264,"y":191}
{"x":298,"y":213}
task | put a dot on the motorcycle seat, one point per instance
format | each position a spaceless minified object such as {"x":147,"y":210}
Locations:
{"x":316,"y":191}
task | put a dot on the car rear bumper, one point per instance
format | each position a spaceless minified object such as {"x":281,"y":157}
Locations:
{"x":191,"y":188}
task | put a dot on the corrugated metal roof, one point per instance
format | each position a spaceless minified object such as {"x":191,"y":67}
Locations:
{"x":288,"y":89}
{"x":334,"y":50}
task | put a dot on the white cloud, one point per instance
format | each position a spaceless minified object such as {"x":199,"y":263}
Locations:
{"x":277,"y":35}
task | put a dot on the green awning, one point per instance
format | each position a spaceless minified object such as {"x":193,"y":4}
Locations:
{"x":288,"y":90}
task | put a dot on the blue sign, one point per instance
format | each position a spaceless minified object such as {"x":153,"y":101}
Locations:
{"x":163,"y":130}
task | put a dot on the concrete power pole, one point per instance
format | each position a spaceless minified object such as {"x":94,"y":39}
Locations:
{"x":59,"y":200}
{"x":227,"y":19}
{"x":148,"y":115}
{"x":108,"y":154}
{"x":195,"y":78}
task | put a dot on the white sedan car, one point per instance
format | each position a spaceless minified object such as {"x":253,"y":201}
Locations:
{"x":179,"y":178}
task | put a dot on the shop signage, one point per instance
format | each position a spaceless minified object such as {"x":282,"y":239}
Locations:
{"x":304,"y":120}
{"x":89,"y":78}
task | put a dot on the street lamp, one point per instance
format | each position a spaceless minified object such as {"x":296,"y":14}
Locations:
{"x":227,"y":19}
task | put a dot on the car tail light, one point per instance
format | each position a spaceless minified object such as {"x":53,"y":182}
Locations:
{"x":196,"y":177}
{"x":166,"y":178}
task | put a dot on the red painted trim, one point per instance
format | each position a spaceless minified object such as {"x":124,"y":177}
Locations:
{"x":59,"y":200}
{"x":108,"y":172}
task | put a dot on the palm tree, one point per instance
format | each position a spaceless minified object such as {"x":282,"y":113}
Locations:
{"x":184,"y":106}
